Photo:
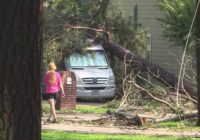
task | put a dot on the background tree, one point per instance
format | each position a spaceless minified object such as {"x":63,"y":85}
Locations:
{"x":179,"y":28}
{"x":178,"y":15}
{"x":177,"y":21}
{"x":90,"y":13}
{"x":59,"y":40}
{"x":20,"y":69}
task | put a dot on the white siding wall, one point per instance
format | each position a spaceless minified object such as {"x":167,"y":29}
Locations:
{"x":164,"y":53}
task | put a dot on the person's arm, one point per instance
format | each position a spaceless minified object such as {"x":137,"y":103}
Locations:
{"x":61,"y":86}
{"x":62,"y":90}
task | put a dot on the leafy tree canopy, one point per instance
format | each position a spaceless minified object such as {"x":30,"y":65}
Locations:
{"x":178,"y":16}
{"x":59,"y":40}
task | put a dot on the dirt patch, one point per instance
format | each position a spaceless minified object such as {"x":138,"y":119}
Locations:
{"x":102,"y":123}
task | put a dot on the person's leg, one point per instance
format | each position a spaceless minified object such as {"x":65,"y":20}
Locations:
{"x":48,"y":97}
{"x":52,"y":108}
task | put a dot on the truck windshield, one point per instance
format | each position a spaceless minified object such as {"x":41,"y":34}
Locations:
{"x":88,"y":58}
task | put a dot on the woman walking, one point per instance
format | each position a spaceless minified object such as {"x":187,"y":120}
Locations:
{"x":53,"y":84}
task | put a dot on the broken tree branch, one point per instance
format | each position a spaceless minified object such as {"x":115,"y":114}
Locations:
{"x":155,"y":71}
{"x":178,"y":117}
{"x":131,"y":119}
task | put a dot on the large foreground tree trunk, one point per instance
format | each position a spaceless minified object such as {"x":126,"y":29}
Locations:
{"x":155,"y":71}
{"x":20,"y":64}
{"x":198,"y":60}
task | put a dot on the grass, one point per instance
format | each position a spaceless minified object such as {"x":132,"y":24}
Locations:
{"x":98,"y":108}
{"x":172,"y":125}
{"x":58,"y":135}
{"x":90,"y":109}
{"x":80,"y":108}
{"x":180,"y":125}
{"x":186,"y":125}
{"x":45,"y":107}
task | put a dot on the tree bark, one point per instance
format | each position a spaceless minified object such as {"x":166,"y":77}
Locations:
{"x":155,"y":71}
{"x":133,"y":118}
{"x":198,"y":60}
{"x":20,"y":69}
{"x":178,"y":117}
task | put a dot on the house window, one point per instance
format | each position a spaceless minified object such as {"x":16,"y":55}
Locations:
{"x":148,"y":45}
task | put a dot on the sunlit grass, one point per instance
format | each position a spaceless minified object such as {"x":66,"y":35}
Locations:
{"x":185,"y":125}
{"x":180,"y":125}
{"x":56,"y":135}
{"x":79,"y":108}
{"x":90,"y":109}
{"x":189,"y":125}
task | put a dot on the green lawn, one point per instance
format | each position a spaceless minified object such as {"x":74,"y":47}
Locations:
{"x":57,"y":135}
{"x":90,"y":109}
{"x":79,"y":108}
{"x":173,"y":125}
{"x":185,"y":125}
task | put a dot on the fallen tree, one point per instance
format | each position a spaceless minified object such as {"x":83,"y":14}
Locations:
{"x":178,"y":117}
{"x":133,"y":119}
{"x":154,"y":70}
{"x":140,"y":120}
{"x":169,"y":79}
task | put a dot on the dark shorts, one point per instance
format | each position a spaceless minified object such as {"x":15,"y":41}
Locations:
{"x":48,"y":96}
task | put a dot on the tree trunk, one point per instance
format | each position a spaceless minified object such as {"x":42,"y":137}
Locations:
{"x":20,"y":69}
{"x":133,"y":118}
{"x":178,"y":117}
{"x":155,"y":71}
{"x":198,"y":61}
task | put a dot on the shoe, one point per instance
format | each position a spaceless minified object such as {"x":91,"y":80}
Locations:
{"x":48,"y":120}
{"x":55,"y":121}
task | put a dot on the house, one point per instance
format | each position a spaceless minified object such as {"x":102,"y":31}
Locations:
{"x":146,"y":12}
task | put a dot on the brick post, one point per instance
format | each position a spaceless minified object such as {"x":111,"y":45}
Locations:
{"x":69,"y":85}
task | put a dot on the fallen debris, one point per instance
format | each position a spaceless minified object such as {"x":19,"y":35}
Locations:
{"x":133,"y":118}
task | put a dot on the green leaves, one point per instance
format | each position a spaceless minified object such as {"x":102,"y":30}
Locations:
{"x":178,"y":15}
{"x":60,"y":40}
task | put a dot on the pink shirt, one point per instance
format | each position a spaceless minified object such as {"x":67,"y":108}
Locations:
{"x":52,"y":88}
